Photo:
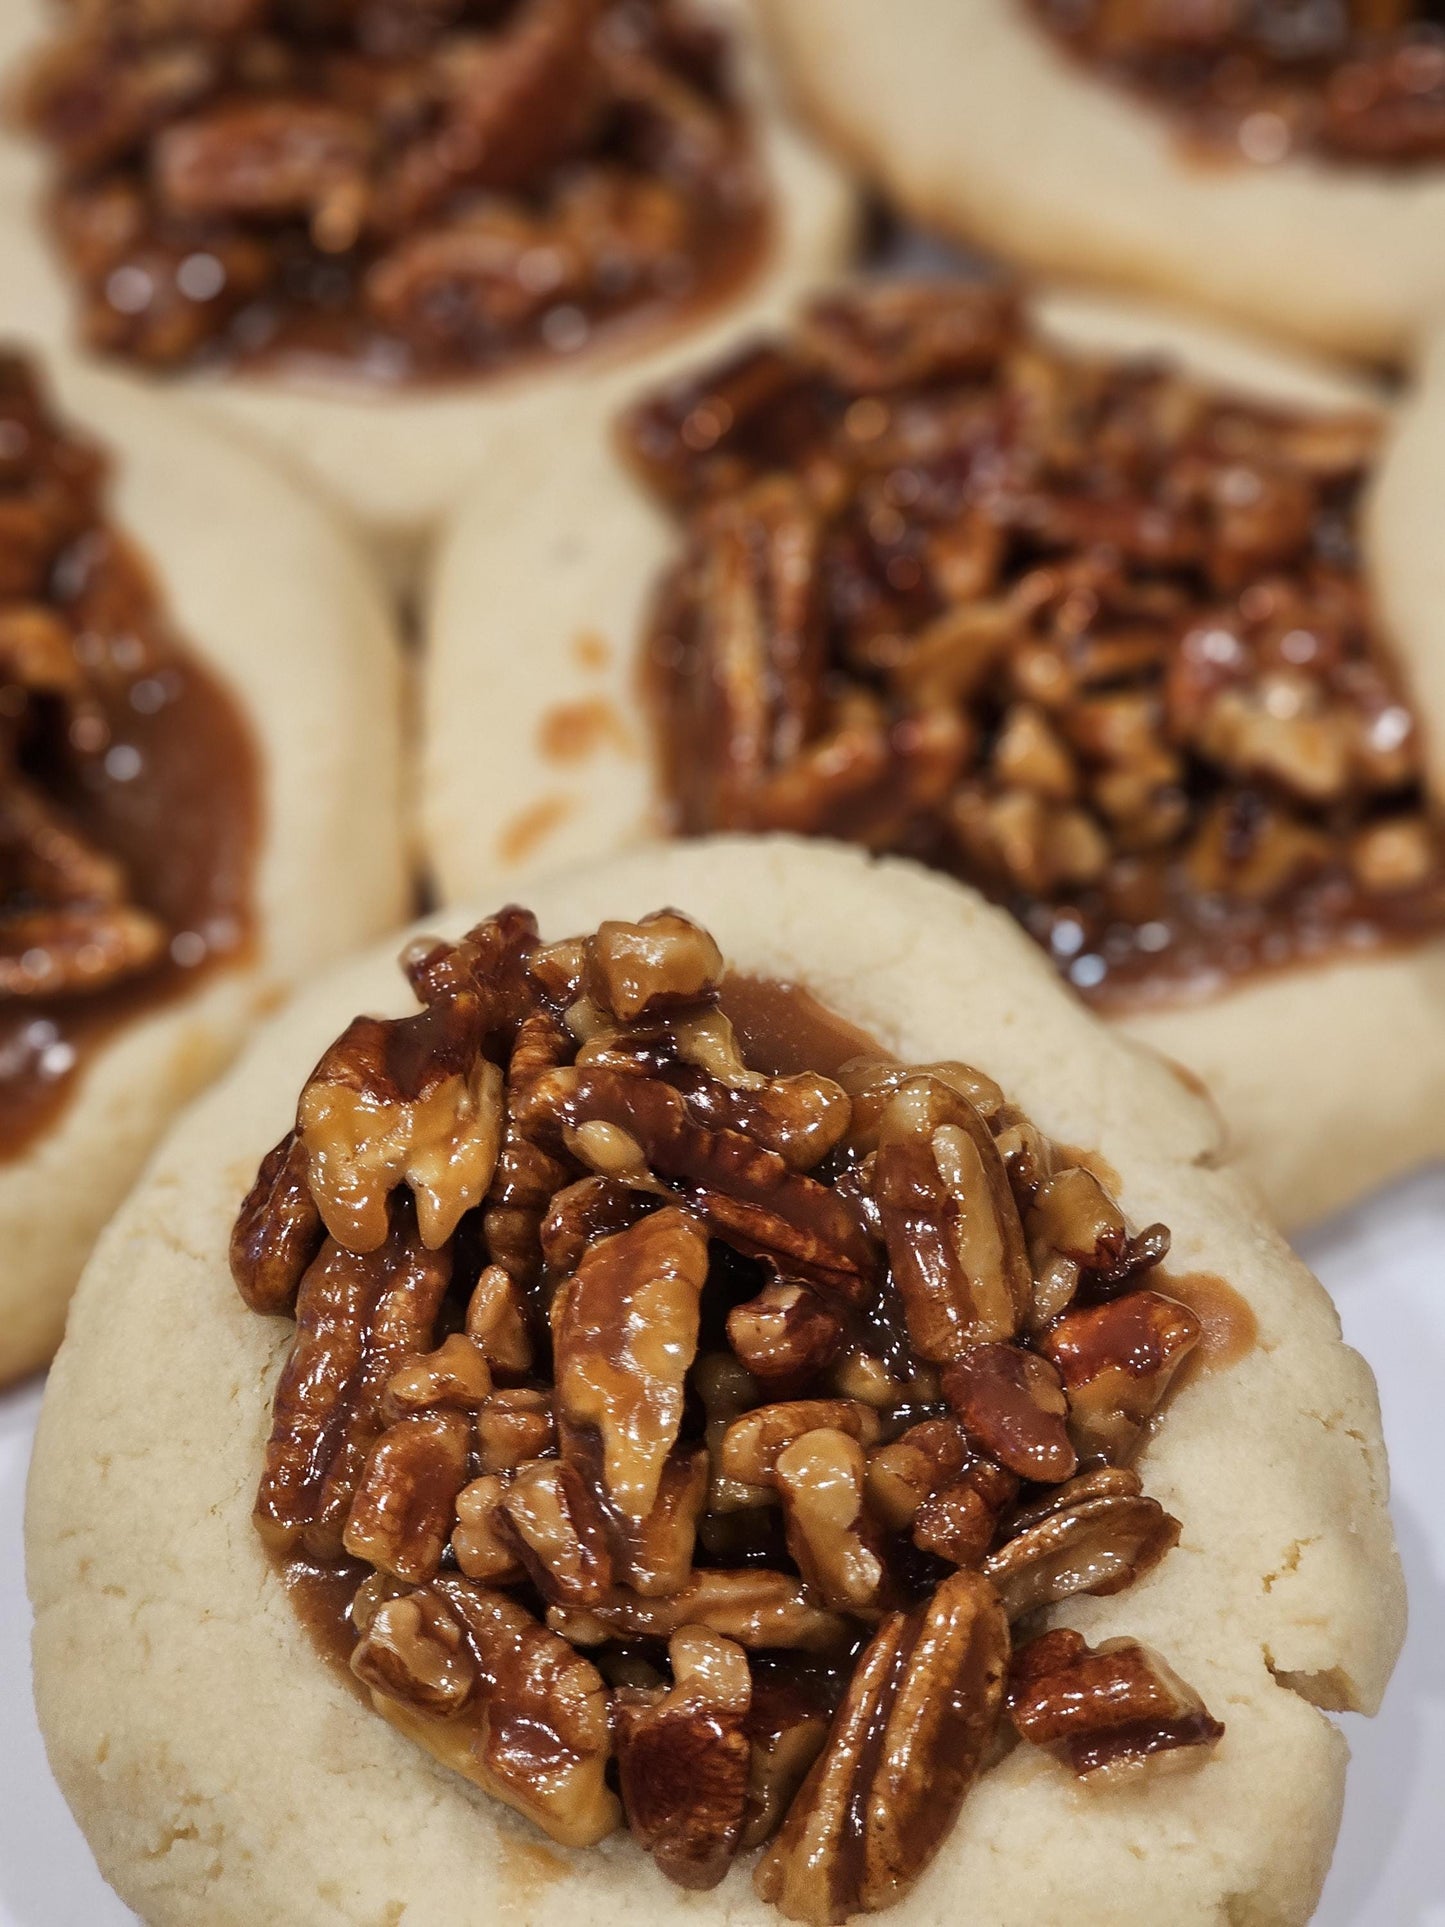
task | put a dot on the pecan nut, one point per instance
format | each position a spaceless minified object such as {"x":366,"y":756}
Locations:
{"x":684,"y":1760}
{"x":909,"y":1740}
{"x":533,"y":1733}
{"x":1108,"y":1710}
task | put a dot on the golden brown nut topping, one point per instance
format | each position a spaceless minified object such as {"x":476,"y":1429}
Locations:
{"x":1107,"y":1710}
{"x":790,"y":1419}
{"x":1080,"y":632}
{"x":1355,"y":82}
{"x":408,"y":190}
{"x":127,"y":777}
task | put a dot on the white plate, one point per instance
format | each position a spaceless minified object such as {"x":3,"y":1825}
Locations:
{"x":1384,"y":1264}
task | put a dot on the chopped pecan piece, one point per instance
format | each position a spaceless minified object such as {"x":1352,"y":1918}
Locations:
{"x":534,"y":1732}
{"x":413,"y":1649}
{"x":925,"y":1459}
{"x":784,"y":1336}
{"x":359,"y":1317}
{"x":653,"y":1556}
{"x":822,"y":1477}
{"x":268,"y":157}
{"x":1102,"y":1482}
{"x":910,"y":1738}
{"x":401,"y":1517}
{"x":479,"y":1545}
{"x":684,"y":1760}
{"x":455,"y":1377}
{"x":514,"y":1426}
{"x":624,"y":1334}
{"x":409,"y":1100}
{"x":787,"y":1728}
{"x":1116,"y":1361}
{"x":278,"y":1230}
{"x":758,"y":1609}
{"x":752,"y":1443}
{"x":1012,"y":1403}
{"x":526,"y":1178}
{"x":582,"y":1213}
{"x":894,"y":335}
{"x":552,"y":1520}
{"x":497,"y":1323}
{"x":1108,"y":1710}
{"x":802,"y":1118}
{"x":640,"y":970}
{"x":747,"y":1195}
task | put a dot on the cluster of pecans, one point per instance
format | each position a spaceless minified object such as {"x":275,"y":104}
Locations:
{"x":1356,"y":80}
{"x":1074,"y":630}
{"x":418,"y":189}
{"x":695,"y":1446}
{"x":68,"y":587}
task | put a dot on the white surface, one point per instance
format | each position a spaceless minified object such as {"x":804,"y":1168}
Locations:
{"x":1385,"y":1263}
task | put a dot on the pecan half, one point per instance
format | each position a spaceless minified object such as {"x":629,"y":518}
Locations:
{"x":1096,"y":1545}
{"x":909,"y":1740}
{"x":954,"y":1237}
{"x":359,"y":1317}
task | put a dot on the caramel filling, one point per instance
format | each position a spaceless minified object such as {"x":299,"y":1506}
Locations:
{"x":390,"y":189}
{"x":1079,"y":632}
{"x":128,"y":783}
{"x":1354,"y":81}
{"x":692,"y":1408}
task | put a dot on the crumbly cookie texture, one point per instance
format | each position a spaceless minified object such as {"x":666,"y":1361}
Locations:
{"x":979,"y":124}
{"x":207,"y":1749}
{"x":396,"y":462}
{"x":271,"y":594}
{"x":1327,"y":1077}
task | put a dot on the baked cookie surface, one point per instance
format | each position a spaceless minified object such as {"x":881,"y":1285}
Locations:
{"x":228,"y":1759}
{"x":395,"y":451}
{"x":1325,"y":1072}
{"x":979,"y":121}
{"x":269,"y":598}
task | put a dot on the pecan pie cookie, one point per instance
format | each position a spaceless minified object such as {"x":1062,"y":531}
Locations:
{"x":772,"y":1378}
{"x":198,"y":790}
{"x":1131,"y":625}
{"x":377,"y":232}
{"x":1281,"y":164}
